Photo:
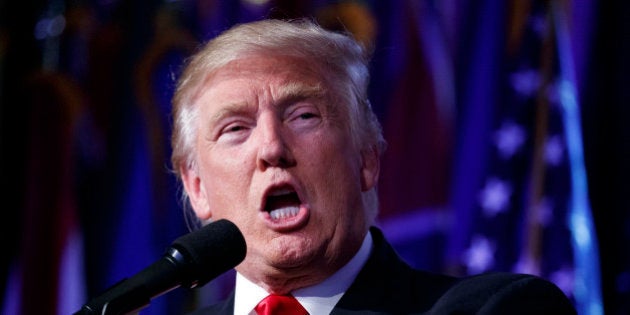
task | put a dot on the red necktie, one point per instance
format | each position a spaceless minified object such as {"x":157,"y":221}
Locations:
{"x":280,"y":305}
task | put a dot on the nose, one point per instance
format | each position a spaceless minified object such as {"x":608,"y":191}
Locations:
{"x":273,"y":150}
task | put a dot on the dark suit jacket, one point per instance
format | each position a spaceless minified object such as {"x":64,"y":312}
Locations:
{"x":387,"y":285}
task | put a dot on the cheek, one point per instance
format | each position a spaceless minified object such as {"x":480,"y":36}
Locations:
{"x":226,"y":184}
{"x":337,"y":168}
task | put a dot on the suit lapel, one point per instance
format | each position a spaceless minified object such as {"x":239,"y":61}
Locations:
{"x":387,"y":285}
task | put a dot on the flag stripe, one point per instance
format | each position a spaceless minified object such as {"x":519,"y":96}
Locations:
{"x":587,"y":282}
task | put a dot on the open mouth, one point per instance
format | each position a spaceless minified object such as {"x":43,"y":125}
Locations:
{"x":282,"y":203}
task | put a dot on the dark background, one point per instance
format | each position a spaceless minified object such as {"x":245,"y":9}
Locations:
{"x":85,"y":130}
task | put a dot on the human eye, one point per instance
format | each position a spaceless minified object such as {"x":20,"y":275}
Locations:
{"x":233,"y":132}
{"x":233,"y":128}
{"x":303,"y":112}
{"x":306,"y":115}
{"x":303,"y":116}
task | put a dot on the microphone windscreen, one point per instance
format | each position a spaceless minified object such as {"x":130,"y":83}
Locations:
{"x":210,"y":251}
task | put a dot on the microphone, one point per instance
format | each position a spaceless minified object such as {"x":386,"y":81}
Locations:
{"x":192,"y":260}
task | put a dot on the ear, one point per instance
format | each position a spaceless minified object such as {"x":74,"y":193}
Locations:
{"x":196,"y":192}
{"x":370,"y":168}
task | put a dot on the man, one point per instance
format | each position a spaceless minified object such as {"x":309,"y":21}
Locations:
{"x":274,"y":132}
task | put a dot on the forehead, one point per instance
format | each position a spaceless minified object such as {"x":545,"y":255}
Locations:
{"x":247,"y":83}
{"x":266,"y":71}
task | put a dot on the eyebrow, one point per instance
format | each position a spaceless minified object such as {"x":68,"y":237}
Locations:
{"x":230,"y":109}
{"x":295,"y":91}
{"x":287,"y":93}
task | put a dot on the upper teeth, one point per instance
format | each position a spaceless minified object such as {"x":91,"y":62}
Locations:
{"x":281,"y":192}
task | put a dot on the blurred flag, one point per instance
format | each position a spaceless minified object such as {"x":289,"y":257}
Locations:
{"x":418,"y":112}
{"x":412,"y":92}
{"x":524,"y":207}
{"x":47,"y":274}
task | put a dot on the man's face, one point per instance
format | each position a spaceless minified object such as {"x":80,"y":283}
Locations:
{"x":274,"y":155}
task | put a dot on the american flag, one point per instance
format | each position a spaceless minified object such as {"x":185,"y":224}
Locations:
{"x":523,"y":218}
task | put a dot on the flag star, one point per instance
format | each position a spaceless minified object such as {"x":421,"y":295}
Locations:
{"x":495,"y":197}
{"x":479,"y":257}
{"x":564,"y":278}
{"x":525,"y":82}
{"x":554,"y":151}
{"x":509,"y":139}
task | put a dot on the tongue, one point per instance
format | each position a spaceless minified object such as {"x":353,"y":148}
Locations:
{"x":282,"y":201}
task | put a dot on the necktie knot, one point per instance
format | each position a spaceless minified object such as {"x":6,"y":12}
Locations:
{"x":275,"y":304}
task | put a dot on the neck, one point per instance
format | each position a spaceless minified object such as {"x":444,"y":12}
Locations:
{"x":283,"y":279}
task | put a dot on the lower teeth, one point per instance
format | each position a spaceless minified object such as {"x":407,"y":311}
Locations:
{"x":284,"y":213}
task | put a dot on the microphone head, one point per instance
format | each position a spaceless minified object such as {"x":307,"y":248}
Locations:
{"x":209,"y":252}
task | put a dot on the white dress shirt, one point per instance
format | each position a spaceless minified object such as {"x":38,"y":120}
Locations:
{"x":317,"y":299}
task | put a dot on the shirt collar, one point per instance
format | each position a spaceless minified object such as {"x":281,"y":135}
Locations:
{"x":317,"y":299}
